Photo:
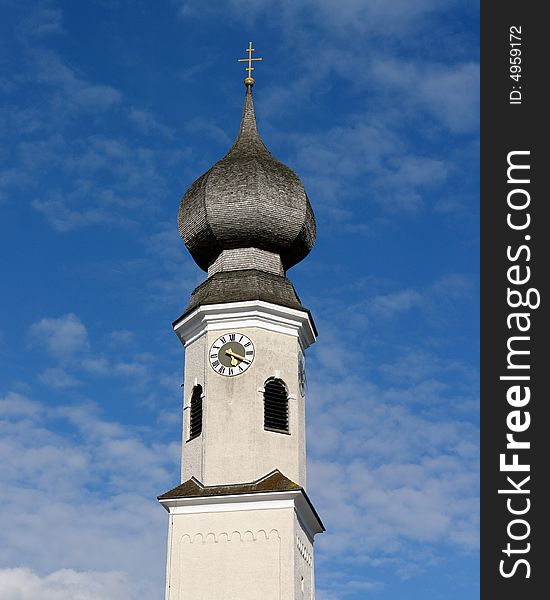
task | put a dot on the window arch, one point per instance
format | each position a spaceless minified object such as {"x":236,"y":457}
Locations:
{"x":195,"y":419}
{"x":275,"y":406}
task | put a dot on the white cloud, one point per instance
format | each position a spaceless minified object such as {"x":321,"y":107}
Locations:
{"x":146,"y":121}
{"x":387,"y":305}
{"x":373,"y":17}
{"x":14,"y":405}
{"x":74,"y":92}
{"x":96,"y":177}
{"x":122,"y":337}
{"x":66,"y":340}
{"x":83,"y":490}
{"x":374,"y":157}
{"x":78,"y":477}
{"x":417,"y":364}
{"x":63,"y":218}
{"x":365,"y":162}
{"x":449,"y":92}
{"x":437,"y":303}
{"x":385,"y":482}
{"x":337,"y":584}
{"x":390,"y":495}
{"x":206,"y":128}
{"x":392,"y":472}
{"x":133,"y":171}
{"x":64,"y":337}
{"x":44,"y":19}
{"x":96,"y":98}
{"x":67,"y":584}
{"x":58,"y":378}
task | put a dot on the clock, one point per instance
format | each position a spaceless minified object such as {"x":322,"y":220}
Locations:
{"x":231,"y":354}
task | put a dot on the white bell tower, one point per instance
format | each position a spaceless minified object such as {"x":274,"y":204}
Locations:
{"x":241,"y":526}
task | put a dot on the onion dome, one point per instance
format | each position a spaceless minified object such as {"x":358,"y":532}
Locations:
{"x":246,"y":221}
{"x":248,"y":199}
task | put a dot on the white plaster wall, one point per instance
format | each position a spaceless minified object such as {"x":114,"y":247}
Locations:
{"x":303,"y":563}
{"x":194,"y":373}
{"x":241,"y":555}
{"x":234,"y":447}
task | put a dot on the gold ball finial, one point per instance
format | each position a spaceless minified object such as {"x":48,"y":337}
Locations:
{"x":249,"y":81}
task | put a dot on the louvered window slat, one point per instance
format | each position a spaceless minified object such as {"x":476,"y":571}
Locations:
{"x":273,"y":411}
{"x":275,"y":406}
{"x":195,"y":426}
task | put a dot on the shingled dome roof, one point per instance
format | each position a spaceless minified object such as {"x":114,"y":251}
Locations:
{"x":248,"y":199}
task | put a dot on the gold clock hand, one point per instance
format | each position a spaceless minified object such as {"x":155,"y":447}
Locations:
{"x":230,"y":352}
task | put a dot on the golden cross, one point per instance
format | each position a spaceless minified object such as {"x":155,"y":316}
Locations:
{"x":249,"y":80}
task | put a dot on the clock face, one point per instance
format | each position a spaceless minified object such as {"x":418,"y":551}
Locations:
{"x":231,"y":354}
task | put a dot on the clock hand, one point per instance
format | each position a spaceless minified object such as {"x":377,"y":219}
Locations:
{"x":230,"y":352}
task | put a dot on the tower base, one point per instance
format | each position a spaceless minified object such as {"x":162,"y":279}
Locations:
{"x":240,"y":542}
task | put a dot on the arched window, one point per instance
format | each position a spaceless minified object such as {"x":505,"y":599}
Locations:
{"x":195,"y":419}
{"x":275,"y":406}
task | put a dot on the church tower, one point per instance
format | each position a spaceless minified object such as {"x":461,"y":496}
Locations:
{"x":241,"y":525}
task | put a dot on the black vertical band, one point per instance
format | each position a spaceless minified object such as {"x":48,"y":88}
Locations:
{"x":515,"y":250}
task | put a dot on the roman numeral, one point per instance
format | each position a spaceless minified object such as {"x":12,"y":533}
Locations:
{"x":221,"y":370}
{"x":248,"y":344}
{"x":215,"y":363}
{"x":230,"y":371}
{"x":241,"y":338}
{"x":232,"y":337}
{"x":249,"y":352}
{"x":213,"y":356}
{"x":223,"y":340}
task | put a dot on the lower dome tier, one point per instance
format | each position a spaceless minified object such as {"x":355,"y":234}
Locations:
{"x":243,"y":285}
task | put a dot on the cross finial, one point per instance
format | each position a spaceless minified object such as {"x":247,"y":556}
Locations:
{"x":249,"y":80}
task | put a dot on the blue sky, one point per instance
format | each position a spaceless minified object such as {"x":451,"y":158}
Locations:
{"x":110,"y":110}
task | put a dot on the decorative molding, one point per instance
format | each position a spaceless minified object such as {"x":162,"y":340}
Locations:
{"x":234,"y":536}
{"x":253,"y":313}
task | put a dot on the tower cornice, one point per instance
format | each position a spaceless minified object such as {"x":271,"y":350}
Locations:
{"x":253,"y":313}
